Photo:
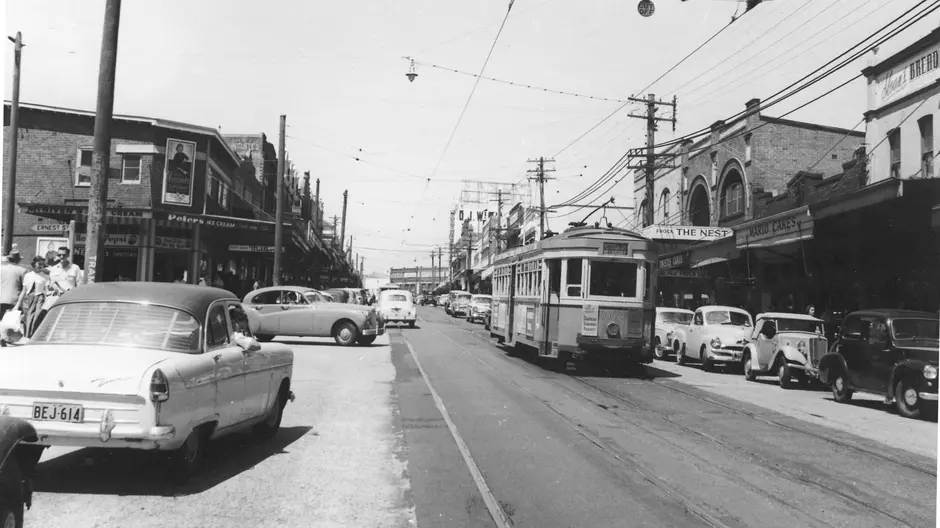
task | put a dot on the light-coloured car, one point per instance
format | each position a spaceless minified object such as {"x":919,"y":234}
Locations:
{"x":300,"y":311}
{"x":786,"y":345}
{"x":146,"y":366}
{"x":480,"y":305}
{"x":670,"y":325}
{"x":398,"y":306}
{"x":460,"y":303}
{"x":716,"y":335}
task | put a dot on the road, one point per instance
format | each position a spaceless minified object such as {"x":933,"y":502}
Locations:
{"x":366,"y":444}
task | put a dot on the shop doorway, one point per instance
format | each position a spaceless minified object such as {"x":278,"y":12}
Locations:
{"x":170,"y":266}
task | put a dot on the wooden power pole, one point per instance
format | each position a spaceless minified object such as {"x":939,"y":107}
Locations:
{"x":279,"y":203}
{"x":101,"y":156}
{"x":342,"y":236}
{"x":649,"y":154}
{"x":540,"y":178}
{"x":9,"y":192}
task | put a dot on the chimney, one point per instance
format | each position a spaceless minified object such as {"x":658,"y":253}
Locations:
{"x":752,"y":113}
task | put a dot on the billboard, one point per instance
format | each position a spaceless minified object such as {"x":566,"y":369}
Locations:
{"x":178,"y":175}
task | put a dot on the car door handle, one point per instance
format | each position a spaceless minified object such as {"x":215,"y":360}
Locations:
{"x":257,"y":308}
{"x":217,"y":358}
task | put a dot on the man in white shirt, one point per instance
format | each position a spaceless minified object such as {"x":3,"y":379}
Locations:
{"x":64,"y":274}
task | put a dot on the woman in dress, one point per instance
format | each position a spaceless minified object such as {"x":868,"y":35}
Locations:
{"x":33,"y":297}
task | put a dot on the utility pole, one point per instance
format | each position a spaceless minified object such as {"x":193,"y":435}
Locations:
{"x":450,"y":251}
{"x":650,"y":166}
{"x":317,"y":220}
{"x":433,"y":271}
{"x":279,"y":207}
{"x":9,"y":196}
{"x":101,"y":156}
{"x":440,"y":263}
{"x":342,"y":237}
{"x":335,"y":227}
{"x":540,"y":178}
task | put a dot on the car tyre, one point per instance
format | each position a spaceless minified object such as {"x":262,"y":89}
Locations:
{"x":658,"y":350}
{"x":366,"y":340}
{"x":749,"y":373}
{"x":264,"y":338}
{"x":346,"y":334}
{"x":703,"y":357}
{"x":272,"y":422}
{"x":411,"y":324}
{"x":840,"y":389}
{"x":680,"y":355}
{"x":784,"y":376}
{"x":906,"y":400}
{"x":188,"y":458}
{"x":11,"y":516}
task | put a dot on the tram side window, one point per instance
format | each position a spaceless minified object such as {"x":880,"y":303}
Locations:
{"x":573,"y":278}
{"x":554,"y":276}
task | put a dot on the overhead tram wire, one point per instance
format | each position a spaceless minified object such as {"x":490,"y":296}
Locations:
{"x":640,"y":91}
{"x":460,"y":118}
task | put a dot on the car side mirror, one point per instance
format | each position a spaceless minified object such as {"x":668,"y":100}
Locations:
{"x":247,"y":343}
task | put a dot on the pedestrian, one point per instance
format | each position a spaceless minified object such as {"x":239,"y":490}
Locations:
{"x":11,"y":282}
{"x":65,"y":274}
{"x":811,"y":310}
{"x":32,"y":300}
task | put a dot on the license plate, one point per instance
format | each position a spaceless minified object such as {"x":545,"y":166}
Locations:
{"x":58,"y":413}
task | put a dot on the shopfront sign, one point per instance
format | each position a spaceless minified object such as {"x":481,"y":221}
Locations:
{"x":783,"y":228}
{"x":686,"y":233}
{"x":50,"y":228}
{"x":683,"y":274}
{"x":112,"y":240}
{"x":249,"y":248}
{"x":163,"y":242}
{"x":178,"y":172}
{"x":674,"y":261}
{"x":910,"y":75}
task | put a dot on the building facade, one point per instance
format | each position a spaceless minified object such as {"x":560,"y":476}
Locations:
{"x":418,"y":280}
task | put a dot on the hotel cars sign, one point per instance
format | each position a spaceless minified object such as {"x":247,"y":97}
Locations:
{"x":790,"y":226}
{"x":912,"y":74}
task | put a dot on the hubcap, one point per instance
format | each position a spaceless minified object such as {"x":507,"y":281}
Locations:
{"x":345,"y":334}
{"x":839,"y":384}
{"x":9,"y":521}
{"x":782,"y":372}
{"x":910,"y":396}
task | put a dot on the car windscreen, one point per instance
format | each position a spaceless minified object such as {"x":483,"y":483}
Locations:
{"x":482,"y":299}
{"x":116,"y":323}
{"x":675,"y":317}
{"x":727,"y":317}
{"x":313,"y":297}
{"x":613,"y":278}
{"x":916,"y":329}
{"x":798,"y":325}
{"x":463,"y":296}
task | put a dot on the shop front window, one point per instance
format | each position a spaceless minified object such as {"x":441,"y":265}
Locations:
{"x":894,"y":143}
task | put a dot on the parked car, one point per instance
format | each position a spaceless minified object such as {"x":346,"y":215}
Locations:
{"x":149,"y":366}
{"x":339,"y":295}
{"x":328,"y":297}
{"x":480,"y":305}
{"x":667,"y":321}
{"x":786,"y":345}
{"x":892,"y":353}
{"x":716,"y":335}
{"x":17,"y":463}
{"x":398,"y":306}
{"x":298,"y":311}
{"x":460,"y":303}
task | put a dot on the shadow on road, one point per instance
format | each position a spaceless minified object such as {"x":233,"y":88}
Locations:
{"x":325,"y":344}
{"x":126,"y":472}
{"x":795,"y":386}
{"x":928,"y":414}
{"x":606,"y":370}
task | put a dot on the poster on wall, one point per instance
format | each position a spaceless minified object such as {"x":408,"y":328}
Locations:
{"x":48,"y":246}
{"x":178,"y":172}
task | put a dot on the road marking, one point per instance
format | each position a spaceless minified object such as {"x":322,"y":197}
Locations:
{"x":496,"y":511}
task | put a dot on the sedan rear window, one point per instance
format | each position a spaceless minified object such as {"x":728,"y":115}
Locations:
{"x":397,"y":298}
{"x":916,"y":329}
{"x":722,"y":317}
{"x":675,"y":317}
{"x":124,"y":324}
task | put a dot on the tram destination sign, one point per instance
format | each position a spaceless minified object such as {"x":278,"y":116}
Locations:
{"x":615,"y":248}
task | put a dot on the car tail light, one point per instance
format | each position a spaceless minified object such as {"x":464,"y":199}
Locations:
{"x":159,"y":387}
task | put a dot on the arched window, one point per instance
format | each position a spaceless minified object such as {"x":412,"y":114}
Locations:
{"x":699,"y":213}
{"x":732,"y":195}
{"x":665,"y":206}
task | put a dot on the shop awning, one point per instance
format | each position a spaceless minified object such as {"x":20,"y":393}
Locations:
{"x":487,"y":273}
{"x":710,"y":261}
{"x":777,"y":230}
{"x":716,"y":252}
{"x":873,"y":194}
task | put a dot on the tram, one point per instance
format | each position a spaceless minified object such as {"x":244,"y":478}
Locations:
{"x":583,"y":293}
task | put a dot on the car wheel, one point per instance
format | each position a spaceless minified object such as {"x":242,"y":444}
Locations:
{"x":272,"y":422}
{"x":680,"y":355}
{"x":346,"y":334}
{"x":907,"y":400}
{"x":840,"y":389}
{"x":411,"y":324}
{"x":749,"y":373}
{"x":703,"y":357}
{"x":188,"y":458}
{"x":11,"y":516}
{"x":784,"y":376}
{"x":366,"y":340}
{"x":264,"y":338}
{"x":658,"y":350}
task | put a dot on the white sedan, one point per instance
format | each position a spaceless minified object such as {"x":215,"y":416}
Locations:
{"x":149,"y":366}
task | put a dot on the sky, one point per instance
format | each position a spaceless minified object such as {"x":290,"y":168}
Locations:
{"x":335,"y":69}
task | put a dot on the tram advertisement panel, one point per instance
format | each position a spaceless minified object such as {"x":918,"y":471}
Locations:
{"x":530,"y":321}
{"x":589,"y":318}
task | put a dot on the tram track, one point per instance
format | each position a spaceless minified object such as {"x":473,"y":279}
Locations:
{"x":733,"y":451}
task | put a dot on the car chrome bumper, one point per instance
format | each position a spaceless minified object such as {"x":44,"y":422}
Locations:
{"x":725,"y":355}
{"x":92,"y":435}
{"x":374,"y":331}
{"x":929,"y":396}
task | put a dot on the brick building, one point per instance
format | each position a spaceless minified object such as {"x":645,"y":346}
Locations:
{"x":418,"y":279}
{"x":193,"y":212}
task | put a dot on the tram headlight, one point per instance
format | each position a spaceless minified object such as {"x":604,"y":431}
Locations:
{"x":613,"y":330}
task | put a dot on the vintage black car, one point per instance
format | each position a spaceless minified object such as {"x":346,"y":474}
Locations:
{"x":892,"y":353}
{"x":17,"y":463}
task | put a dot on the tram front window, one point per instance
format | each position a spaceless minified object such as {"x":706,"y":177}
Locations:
{"x":613,"y":279}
